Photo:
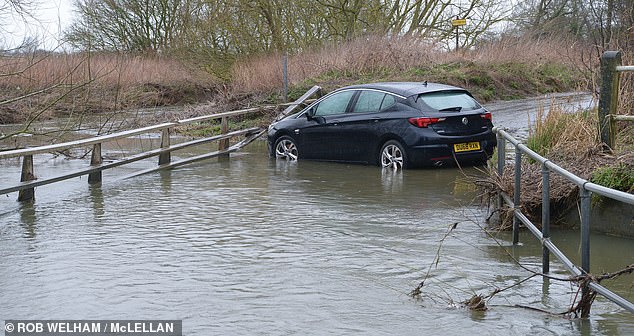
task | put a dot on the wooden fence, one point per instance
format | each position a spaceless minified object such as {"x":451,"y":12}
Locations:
{"x":28,"y":180}
{"x":609,"y":96}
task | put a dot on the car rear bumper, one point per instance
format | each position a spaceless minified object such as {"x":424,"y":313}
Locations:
{"x":443,"y":154}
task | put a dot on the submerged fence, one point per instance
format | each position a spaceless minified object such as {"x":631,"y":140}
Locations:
{"x":28,"y":180}
{"x":586,"y":189}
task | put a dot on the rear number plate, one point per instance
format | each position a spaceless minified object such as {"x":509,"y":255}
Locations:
{"x":466,"y":147}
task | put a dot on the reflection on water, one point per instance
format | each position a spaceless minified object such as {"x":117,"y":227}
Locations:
{"x":392,"y":180}
{"x":256,"y":246}
{"x":28,"y":219}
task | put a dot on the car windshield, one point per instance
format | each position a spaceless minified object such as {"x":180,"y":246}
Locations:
{"x":448,"y":101}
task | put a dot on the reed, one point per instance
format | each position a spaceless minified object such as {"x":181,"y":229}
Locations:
{"x":562,"y":133}
{"x":378,"y":57}
{"x":30,"y":72}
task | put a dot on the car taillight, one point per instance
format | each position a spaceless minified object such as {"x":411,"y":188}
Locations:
{"x":423,"y":122}
{"x":487,"y":115}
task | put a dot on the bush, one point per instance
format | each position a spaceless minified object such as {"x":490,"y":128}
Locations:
{"x":619,"y":177}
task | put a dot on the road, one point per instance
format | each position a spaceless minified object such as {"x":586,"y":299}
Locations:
{"x":517,"y":115}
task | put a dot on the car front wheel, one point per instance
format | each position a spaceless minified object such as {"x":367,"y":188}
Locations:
{"x":285,"y":148}
{"x":393,"y":155}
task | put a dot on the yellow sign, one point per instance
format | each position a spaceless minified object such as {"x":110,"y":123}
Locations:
{"x":458,"y":22}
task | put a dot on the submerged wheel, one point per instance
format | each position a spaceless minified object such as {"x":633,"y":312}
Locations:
{"x":393,"y":155}
{"x":285,"y":148}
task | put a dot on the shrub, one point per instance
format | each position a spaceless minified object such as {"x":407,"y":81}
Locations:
{"x":619,"y":177}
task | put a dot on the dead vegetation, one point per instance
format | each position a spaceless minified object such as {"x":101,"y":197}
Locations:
{"x":581,"y":299}
{"x":43,"y":85}
{"x":493,"y":70}
{"x":571,"y":141}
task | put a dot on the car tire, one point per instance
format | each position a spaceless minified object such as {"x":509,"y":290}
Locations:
{"x":393,"y":155}
{"x":285,"y":148}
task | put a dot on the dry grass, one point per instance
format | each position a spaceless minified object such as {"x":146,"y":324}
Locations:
{"x":391,"y":57}
{"x":359,"y":56}
{"x":30,"y":72}
{"x":571,"y":141}
{"x":104,"y":82}
{"x":560,"y":133}
{"x":553,"y":49}
{"x":80,"y":83}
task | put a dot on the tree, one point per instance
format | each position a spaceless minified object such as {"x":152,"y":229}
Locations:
{"x":130,"y":25}
{"x":246,"y":27}
{"x":604,"y":23}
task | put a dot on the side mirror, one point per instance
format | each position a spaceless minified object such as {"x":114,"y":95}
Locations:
{"x":310,"y":114}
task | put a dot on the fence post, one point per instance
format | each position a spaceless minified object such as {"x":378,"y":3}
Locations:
{"x":516,"y":194}
{"x":224,"y":129}
{"x":95,"y":160}
{"x":501,"y":147}
{"x":585,"y":229}
{"x":165,"y":158}
{"x":27,"y":175}
{"x":285,"y":75}
{"x":545,"y":217}
{"x":609,"y":96}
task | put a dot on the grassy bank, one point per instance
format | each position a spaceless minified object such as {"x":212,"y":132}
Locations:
{"x":507,"y":69}
{"x":572,"y":142}
{"x":76,"y":84}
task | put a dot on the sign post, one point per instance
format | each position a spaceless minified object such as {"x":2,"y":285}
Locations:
{"x":457,"y":23}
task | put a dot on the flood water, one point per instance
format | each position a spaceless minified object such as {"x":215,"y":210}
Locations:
{"x":254,"y":246}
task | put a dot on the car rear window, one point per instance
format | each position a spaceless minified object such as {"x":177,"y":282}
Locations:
{"x":448,"y":100}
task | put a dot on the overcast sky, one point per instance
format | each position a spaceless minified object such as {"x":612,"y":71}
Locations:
{"x":50,"y":19}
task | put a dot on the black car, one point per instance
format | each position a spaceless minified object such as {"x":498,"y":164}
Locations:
{"x":399,"y":125}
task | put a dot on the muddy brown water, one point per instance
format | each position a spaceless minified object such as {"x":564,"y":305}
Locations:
{"x":253,"y":246}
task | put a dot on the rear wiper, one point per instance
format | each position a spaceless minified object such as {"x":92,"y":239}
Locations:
{"x":451,"y":109}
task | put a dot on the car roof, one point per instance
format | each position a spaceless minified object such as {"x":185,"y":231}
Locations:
{"x":405,"y":89}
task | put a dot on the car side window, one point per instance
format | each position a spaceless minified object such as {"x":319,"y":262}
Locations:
{"x":335,"y":104}
{"x":373,"y":101}
{"x":388,"y":102}
{"x":369,"y":101}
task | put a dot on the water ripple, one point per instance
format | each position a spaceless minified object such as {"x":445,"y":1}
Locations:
{"x":253,"y":246}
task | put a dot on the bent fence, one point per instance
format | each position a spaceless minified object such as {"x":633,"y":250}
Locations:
{"x":586,"y":189}
{"x":609,"y":96}
{"x":28,"y":181}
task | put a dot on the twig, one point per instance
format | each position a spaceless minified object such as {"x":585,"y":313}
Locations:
{"x":417,"y":291}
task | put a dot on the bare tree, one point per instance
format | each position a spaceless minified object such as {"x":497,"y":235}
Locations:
{"x":130,"y":25}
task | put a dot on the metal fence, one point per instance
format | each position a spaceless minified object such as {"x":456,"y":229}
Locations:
{"x":586,"y":189}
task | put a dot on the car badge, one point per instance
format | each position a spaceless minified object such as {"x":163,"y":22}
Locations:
{"x":465,"y":120}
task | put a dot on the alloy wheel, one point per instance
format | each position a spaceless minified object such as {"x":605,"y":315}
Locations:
{"x":392,"y":157}
{"x":286,"y":149}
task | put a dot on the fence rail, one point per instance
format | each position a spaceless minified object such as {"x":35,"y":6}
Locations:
{"x":28,"y":180}
{"x":586,"y":189}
